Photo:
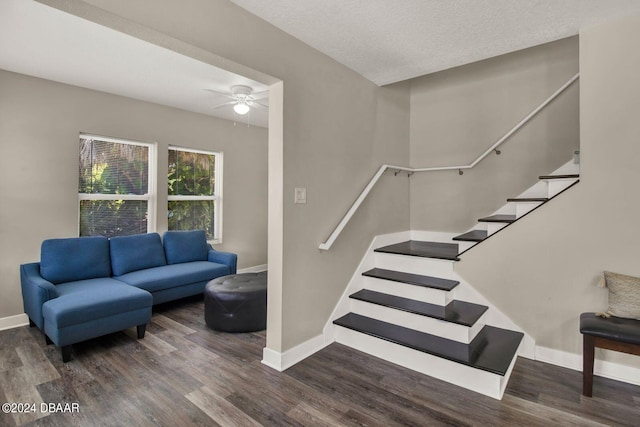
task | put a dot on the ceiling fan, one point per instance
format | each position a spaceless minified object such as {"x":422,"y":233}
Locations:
{"x":242,"y":98}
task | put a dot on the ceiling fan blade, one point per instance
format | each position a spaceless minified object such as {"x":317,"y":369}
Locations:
{"x":260,"y":95}
{"x":226,"y":95}
{"x":224,"y":104}
{"x":259,"y":104}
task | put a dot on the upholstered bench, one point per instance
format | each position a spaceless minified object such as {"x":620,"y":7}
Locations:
{"x":236,"y":303}
{"x":613,"y":333}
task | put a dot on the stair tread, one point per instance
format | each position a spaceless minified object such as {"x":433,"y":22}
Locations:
{"x":499,"y":218}
{"x":566,"y":176}
{"x":459,"y":312}
{"x":447,"y":251}
{"x":472,"y":236}
{"x":491,"y":350}
{"x":528,"y":199}
{"x":412,"y":279}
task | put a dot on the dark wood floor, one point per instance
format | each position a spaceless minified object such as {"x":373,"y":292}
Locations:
{"x":183,"y":374}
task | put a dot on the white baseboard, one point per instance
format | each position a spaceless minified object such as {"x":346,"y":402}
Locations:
{"x":14,"y":321}
{"x":282,"y":361}
{"x":602,"y":368}
{"x":254,"y":269}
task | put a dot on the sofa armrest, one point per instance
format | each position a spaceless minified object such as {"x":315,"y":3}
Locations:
{"x":226,"y":258}
{"x":35,"y":292}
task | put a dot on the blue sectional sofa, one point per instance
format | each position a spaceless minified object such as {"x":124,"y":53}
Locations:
{"x":86,"y":287}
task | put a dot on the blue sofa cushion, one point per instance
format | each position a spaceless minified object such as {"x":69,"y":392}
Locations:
{"x":77,"y":258}
{"x":171,"y":276}
{"x":185,"y":246}
{"x":86,"y":300}
{"x":136,"y":252}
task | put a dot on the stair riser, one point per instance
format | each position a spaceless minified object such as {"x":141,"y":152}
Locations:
{"x":477,"y":380}
{"x":420,"y":323}
{"x":539,"y":189}
{"x":523,"y":208}
{"x":558,"y":185}
{"x":419,"y":293}
{"x":494,"y":227}
{"x":415,"y":265}
{"x":465,"y":245}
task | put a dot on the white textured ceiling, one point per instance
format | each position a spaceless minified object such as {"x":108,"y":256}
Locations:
{"x":44,"y":42}
{"x":388,"y":41}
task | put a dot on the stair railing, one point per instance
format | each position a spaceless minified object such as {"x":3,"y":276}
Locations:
{"x":354,"y":207}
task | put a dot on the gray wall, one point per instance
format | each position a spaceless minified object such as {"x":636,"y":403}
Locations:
{"x":338,"y":129}
{"x":457,"y":114}
{"x":543,"y":272}
{"x":39,"y":125}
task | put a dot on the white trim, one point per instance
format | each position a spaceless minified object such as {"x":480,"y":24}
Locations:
{"x":152,"y":204}
{"x":180,"y":198}
{"x":193,"y":150}
{"x":13,"y":321}
{"x":218,"y":205}
{"x":254,"y":269}
{"x":282,"y":361}
{"x":99,"y":196}
{"x":115,"y":140}
{"x":602,"y":368}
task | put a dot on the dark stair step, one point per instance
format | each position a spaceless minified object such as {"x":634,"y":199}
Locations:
{"x":491,"y":350}
{"x":412,"y":279}
{"x":472,"y":236}
{"x":529,"y":199}
{"x":499,"y":218}
{"x":448,"y":251}
{"x":460,"y":312}
{"x":559,"y":176}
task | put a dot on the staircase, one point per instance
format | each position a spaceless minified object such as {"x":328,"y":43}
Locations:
{"x":406,"y":304}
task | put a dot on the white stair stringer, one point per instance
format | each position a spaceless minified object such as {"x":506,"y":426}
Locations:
{"x":484,"y":382}
{"x":545,"y":188}
{"x":357,"y":280}
{"x":494,"y":316}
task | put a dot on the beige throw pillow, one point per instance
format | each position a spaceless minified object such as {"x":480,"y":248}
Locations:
{"x":624,"y":295}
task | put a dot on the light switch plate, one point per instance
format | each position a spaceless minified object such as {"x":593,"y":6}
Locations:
{"x":300,"y":195}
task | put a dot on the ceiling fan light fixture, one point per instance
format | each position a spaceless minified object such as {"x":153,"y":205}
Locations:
{"x":241,"y":107}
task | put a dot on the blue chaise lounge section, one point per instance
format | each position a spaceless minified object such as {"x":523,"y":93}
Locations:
{"x":71,"y":296}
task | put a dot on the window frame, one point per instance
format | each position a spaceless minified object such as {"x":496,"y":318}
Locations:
{"x":150,"y":196}
{"x":217,"y":191}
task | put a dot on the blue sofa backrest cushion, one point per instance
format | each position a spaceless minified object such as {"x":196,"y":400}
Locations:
{"x":185,"y":246}
{"x":76,"y":258}
{"x":136,"y":252}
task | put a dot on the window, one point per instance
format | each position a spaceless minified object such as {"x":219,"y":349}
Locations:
{"x":194,"y":191}
{"x":115,"y":187}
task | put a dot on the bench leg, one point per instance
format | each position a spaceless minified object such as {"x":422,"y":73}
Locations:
{"x":588,"y":353}
{"x":141,"y":331}
{"x":66,"y":353}
{"x":47,"y":340}
{"x":31,"y":323}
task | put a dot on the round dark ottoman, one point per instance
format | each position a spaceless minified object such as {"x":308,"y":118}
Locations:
{"x":237,"y":303}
